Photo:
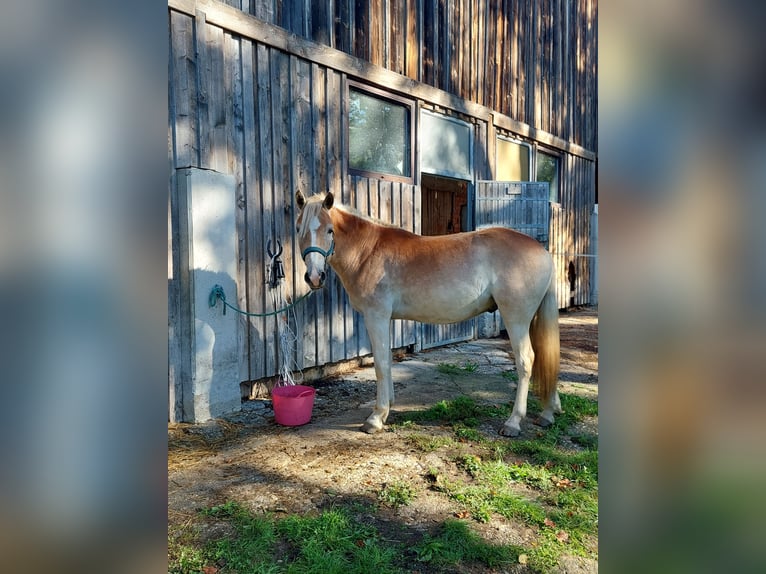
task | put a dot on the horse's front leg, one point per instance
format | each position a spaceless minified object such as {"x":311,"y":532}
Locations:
{"x":379,"y":330}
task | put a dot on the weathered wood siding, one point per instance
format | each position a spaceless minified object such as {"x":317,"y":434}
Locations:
{"x":532,"y":60}
{"x":269,"y":107}
{"x":570,"y":231}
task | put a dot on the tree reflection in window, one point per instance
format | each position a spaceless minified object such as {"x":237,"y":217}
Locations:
{"x":379,"y":135}
{"x":548,"y":170}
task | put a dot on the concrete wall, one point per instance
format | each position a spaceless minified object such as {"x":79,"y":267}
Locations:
{"x":209,"y":386}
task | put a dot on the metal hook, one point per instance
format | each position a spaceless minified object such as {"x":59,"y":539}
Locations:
{"x":275,"y":270}
{"x":278,"y":253}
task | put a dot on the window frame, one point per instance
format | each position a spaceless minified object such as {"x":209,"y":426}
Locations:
{"x":377,"y":93}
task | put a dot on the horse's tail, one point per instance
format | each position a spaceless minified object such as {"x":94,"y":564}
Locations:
{"x":544,"y":332}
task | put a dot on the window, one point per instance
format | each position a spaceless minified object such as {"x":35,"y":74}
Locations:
{"x":512,"y":160}
{"x":446,"y":146}
{"x":379,"y":134}
{"x":548,"y":170}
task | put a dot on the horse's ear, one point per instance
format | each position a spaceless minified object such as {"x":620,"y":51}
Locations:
{"x":328,"y":200}
{"x":299,"y":199}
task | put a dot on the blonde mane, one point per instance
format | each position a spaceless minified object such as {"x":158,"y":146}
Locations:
{"x":356,"y":213}
{"x":313,"y":207}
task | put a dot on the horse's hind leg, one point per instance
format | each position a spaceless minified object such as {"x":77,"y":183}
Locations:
{"x":553,"y":406}
{"x":525,"y":356}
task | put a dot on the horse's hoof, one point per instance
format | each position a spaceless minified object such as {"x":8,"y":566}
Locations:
{"x":543,"y":422}
{"x":371,"y":428}
{"x":507,"y":430}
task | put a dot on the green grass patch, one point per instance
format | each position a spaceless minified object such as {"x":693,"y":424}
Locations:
{"x":469,"y":434}
{"x":396,"y":493}
{"x":456,"y":543}
{"x":184,"y":558}
{"x":462,"y":411}
{"x":453,"y":369}
{"x":553,"y":504}
{"x":251,"y":549}
{"x":332,"y":542}
{"x":561,"y":496}
{"x":429,"y":443}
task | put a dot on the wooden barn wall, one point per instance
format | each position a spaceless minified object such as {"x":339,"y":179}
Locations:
{"x":570,"y":231}
{"x":275,"y":121}
{"x":272,"y":115}
{"x":532,"y":60}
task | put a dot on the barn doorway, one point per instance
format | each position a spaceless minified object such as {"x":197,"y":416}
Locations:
{"x":444,"y":210}
{"x":444,"y":205}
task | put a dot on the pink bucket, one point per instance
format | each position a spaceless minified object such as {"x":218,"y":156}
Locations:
{"x":293,"y":404}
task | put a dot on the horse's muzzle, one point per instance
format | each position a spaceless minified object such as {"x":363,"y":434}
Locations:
{"x":317,"y":281}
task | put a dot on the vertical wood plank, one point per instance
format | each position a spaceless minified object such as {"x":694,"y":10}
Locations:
{"x":204,"y":72}
{"x":481,"y":60}
{"x":319,"y":127}
{"x":320,"y":23}
{"x":362,"y":27}
{"x":395,"y":36}
{"x":377,"y":33}
{"x":430,"y":16}
{"x":282,"y":223}
{"x":253,"y":176}
{"x":262,"y":298}
{"x":490,"y":50}
{"x":213,"y":150}
{"x":343,"y":30}
{"x":247,"y":208}
{"x":454,"y":44}
{"x":235,"y":121}
{"x":514,"y":67}
{"x":442,"y":61}
{"x":413,"y":18}
{"x":184,"y":91}
{"x":333,"y":150}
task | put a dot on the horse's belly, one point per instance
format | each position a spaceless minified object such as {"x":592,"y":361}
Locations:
{"x":443,"y":309}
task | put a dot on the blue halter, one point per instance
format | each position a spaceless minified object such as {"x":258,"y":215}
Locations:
{"x":314,"y":249}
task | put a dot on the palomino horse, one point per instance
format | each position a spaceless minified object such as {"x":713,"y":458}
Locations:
{"x":390,"y":273}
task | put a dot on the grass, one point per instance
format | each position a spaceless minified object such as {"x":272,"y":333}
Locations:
{"x":453,"y":369}
{"x":549,"y":484}
{"x":461,"y":412}
{"x":560,"y":485}
{"x":333,"y":542}
{"x":396,"y":493}
{"x":456,"y":543}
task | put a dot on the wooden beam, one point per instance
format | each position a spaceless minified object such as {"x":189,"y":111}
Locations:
{"x":238,"y":22}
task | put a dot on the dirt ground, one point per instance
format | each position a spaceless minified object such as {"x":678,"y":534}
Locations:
{"x":265,"y":467}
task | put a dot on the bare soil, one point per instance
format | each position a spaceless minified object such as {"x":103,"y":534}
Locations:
{"x":268,"y":468}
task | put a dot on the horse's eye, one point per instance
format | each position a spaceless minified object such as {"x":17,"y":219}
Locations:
{"x":330,"y":231}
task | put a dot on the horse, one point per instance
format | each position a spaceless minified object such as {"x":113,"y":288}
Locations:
{"x":391,"y":273}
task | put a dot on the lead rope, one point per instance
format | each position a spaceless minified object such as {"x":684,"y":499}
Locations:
{"x":287,"y":343}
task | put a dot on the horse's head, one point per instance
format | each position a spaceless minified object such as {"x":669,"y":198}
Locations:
{"x":315,"y":236}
